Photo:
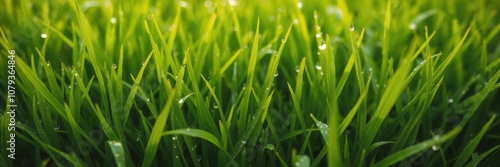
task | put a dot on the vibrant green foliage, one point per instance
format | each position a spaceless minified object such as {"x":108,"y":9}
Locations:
{"x":252,"y":83}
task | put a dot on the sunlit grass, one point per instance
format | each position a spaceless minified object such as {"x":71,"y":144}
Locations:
{"x":252,"y":83}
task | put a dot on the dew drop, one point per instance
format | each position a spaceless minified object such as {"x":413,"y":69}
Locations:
{"x":412,"y":26}
{"x":174,"y":137}
{"x":317,"y":66}
{"x":435,"y":147}
{"x":43,"y":35}
{"x":232,"y":3}
{"x":351,"y":27}
{"x":297,"y":68}
{"x":183,"y":4}
{"x":182,"y":100}
{"x":215,"y":106}
{"x":69,"y":87}
{"x":113,"y":66}
{"x":300,"y":5}
{"x":318,"y":35}
{"x":450,"y":101}
{"x":276,"y":74}
{"x":188,"y":129}
{"x":322,"y":46}
{"x":113,"y":20}
{"x":243,"y":142}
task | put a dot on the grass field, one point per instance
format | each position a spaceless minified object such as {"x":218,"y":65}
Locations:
{"x":250,"y":83}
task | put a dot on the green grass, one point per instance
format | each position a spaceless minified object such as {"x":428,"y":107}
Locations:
{"x":252,"y":83}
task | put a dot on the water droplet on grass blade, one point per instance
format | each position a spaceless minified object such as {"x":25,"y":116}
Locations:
{"x":317,"y":66}
{"x":174,"y":137}
{"x":297,"y":68}
{"x":182,"y":100}
{"x":276,"y":74}
{"x":118,"y":144}
{"x":322,"y":47}
{"x":300,"y":5}
{"x":351,"y":27}
{"x":412,"y":26}
{"x":113,"y":66}
{"x":435,"y":147}
{"x":450,"y":100}
{"x":243,"y":142}
{"x":232,"y":3}
{"x":43,"y":35}
{"x":198,"y":157}
{"x":215,"y":106}
{"x":183,"y":4}
{"x":113,"y":20}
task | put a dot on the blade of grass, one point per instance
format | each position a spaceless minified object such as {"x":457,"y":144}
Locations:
{"x":425,"y":145}
{"x":159,"y":126}
{"x":469,"y":149}
{"x":118,"y":153}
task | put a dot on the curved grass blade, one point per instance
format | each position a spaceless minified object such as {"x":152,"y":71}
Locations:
{"x":154,"y":138}
{"x":474,"y":162}
{"x":469,"y":149}
{"x":409,"y":151}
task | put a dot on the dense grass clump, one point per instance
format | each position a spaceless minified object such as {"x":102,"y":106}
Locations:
{"x":251,"y":83}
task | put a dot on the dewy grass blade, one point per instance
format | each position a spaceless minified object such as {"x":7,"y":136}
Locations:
{"x":118,"y":152}
{"x":347,"y":120}
{"x":196,"y":133}
{"x":374,"y":80}
{"x":243,"y":110}
{"x":88,"y":42}
{"x":401,"y":155}
{"x":474,"y":162}
{"x":159,"y":126}
{"x":467,"y":152}
{"x":39,"y":86}
{"x":121,"y":118}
